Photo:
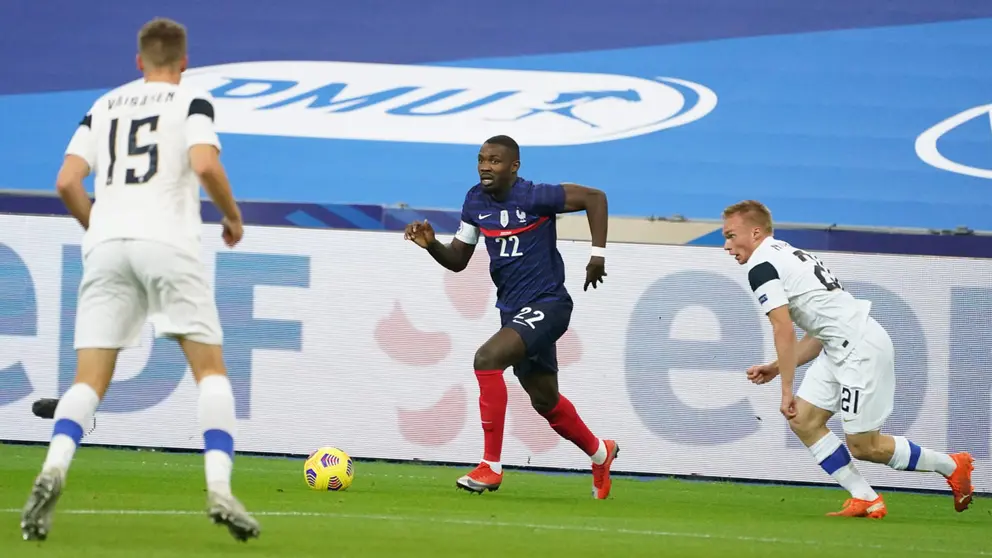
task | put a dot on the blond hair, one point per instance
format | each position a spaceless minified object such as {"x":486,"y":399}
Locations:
{"x":162,"y":42}
{"x":754,"y":212}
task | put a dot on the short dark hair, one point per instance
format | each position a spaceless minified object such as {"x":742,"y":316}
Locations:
{"x":507,"y":142}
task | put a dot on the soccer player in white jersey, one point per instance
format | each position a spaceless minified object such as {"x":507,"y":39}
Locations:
{"x":853,"y":372}
{"x":147,"y":144}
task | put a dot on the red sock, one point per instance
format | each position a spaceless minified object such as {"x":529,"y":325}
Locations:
{"x":492,"y":410}
{"x":566,"y":422}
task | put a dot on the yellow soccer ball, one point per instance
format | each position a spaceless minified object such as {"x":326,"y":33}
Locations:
{"x":329,"y":469}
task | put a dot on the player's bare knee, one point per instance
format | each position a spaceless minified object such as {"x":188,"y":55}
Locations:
{"x":542,"y":401}
{"x":805,"y":425}
{"x":486,"y":358}
{"x":542,"y":390}
{"x":866,"y":447}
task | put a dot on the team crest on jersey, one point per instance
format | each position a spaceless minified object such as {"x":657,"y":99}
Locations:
{"x":522,"y":216}
{"x":504,"y":218}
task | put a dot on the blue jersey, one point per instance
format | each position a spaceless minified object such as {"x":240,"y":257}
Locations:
{"x":521,"y":238}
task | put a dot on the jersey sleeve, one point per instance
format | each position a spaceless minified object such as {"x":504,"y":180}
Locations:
{"x":546,"y":200}
{"x":767,"y":286}
{"x":200,"y":122}
{"x":83,"y":143}
{"x":468,"y":229}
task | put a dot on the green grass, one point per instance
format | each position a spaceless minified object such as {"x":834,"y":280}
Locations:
{"x":414,"y":510}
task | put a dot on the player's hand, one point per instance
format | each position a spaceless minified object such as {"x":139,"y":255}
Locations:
{"x":233,"y":231}
{"x":762,"y":373}
{"x":788,"y":407}
{"x":422,"y":233}
{"x":595,"y":271}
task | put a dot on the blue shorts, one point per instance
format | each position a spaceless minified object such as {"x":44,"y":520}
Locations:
{"x":540,"y":325}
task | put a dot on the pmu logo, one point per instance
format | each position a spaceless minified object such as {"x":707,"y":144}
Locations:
{"x":433,"y":104}
{"x":960,"y":143}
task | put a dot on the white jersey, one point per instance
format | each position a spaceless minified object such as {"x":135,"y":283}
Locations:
{"x":781,"y":274}
{"x":136,"y":140}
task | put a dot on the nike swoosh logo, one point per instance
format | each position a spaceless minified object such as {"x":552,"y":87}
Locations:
{"x":484,"y":216}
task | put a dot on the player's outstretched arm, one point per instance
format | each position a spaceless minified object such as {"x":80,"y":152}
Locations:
{"x":593,"y":202}
{"x":454,"y":256}
{"x":69,"y":185}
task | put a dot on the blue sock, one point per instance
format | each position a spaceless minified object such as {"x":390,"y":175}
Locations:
{"x":217,"y":419}
{"x":911,"y":457}
{"x":834,"y":458}
{"x":75,"y":409}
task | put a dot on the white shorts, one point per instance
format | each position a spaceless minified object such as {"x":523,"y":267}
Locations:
{"x":862,"y":388}
{"x":128,"y":282}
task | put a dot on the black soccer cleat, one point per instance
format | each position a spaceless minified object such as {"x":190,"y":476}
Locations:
{"x":45,"y":408}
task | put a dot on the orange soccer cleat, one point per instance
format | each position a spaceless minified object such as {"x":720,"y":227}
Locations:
{"x":601,"y":483}
{"x":960,"y":480}
{"x":480,"y":479}
{"x":854,"y":507}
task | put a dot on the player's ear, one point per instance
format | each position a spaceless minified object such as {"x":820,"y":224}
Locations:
{"x":184,"y":64}
{"x":515,"y":166}
{"x":139,"y":63}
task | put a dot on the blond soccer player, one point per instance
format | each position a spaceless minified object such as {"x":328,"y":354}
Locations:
{"x":853,"y":364}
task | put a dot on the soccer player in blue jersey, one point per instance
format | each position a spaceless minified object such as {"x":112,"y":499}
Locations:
{"x":517,"y":219}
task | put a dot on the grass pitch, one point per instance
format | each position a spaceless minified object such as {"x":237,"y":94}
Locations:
{"x":145,"y":504}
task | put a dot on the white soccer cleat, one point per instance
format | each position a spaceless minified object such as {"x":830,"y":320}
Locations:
{"x":36,"y":519}
{"x":227,"y":510}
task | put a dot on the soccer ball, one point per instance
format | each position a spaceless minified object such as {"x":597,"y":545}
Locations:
{"x":328,"y":469}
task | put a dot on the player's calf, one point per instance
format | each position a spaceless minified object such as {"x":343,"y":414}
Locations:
{"x":810,"y":426}
{"x":871,"y":447}
{"x":492,"y":413}
{"x":830,"y":453}
{"x":491,"y":359}
{"x":74,"y":411}
{"x":217,"y":420}
{"x":956,"y":469}
{"x":565,"y":420}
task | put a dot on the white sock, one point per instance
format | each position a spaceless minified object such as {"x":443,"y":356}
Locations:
{"x":496,"y":466}
{"x":217,"y":420}
{"x":75,"y":408}
{"x":600,"y":456}
{"x":831,"y":454}
{"x":911,"y":457}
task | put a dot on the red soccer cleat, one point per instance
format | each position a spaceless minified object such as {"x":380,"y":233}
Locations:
{"x":601,"y":483}
{"x":480,"y":479}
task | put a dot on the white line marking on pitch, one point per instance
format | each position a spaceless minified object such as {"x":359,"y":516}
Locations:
{"x":533,"y":526}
